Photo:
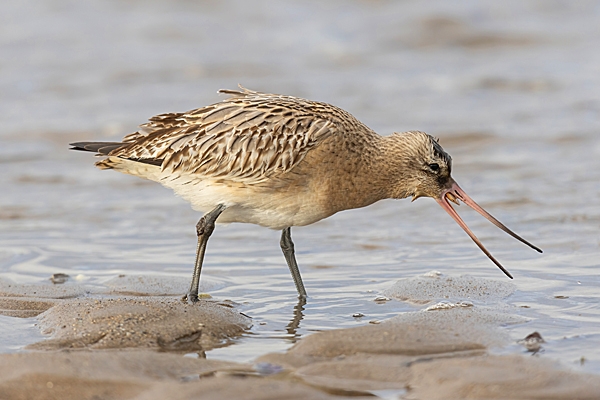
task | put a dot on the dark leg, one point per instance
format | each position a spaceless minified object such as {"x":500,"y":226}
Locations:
{"x":288,"y":251}
{"x":204,"y":228}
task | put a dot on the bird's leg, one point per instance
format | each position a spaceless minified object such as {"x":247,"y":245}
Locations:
{"x":204,"y":228}
{"x":288,"y":251}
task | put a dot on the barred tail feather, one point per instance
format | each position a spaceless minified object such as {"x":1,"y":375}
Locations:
{"x":131,"y":167}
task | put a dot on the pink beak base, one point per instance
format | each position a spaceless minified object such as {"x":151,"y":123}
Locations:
{"x":456,"y":192}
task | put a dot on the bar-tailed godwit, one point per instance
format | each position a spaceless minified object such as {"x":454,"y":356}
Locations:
{"x":282,"y":161}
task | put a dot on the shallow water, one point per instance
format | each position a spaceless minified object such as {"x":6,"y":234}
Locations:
{"x":510,"y":88}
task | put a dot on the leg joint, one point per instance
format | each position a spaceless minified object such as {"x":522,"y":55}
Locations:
{"x":206,"y":224}
{"x":286,"y":241}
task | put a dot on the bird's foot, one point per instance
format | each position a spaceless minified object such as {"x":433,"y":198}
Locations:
{"x":190,"y":298}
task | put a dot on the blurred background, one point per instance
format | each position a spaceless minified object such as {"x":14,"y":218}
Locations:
{"x":511,"y":88}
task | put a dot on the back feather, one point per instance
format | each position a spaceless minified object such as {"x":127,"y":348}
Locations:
{"x":248,"y":137}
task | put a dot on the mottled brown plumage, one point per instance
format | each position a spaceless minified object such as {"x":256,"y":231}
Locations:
{"x":247,"y":138}
{"x":281,"y":161}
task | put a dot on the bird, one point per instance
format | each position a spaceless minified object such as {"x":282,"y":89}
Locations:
{"x":281,"y":161}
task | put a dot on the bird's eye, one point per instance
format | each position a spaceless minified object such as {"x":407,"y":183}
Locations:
{"x":435,"y":167}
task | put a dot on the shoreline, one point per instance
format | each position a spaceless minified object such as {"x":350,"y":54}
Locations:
{"x":150,"y":346}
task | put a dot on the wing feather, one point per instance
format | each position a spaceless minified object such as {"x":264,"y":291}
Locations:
{"x":249,"y":137}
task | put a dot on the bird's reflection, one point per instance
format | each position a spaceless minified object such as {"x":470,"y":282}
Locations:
{"x":294,"y":324}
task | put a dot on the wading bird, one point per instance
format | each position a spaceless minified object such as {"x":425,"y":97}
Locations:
{"x":282,"y":161}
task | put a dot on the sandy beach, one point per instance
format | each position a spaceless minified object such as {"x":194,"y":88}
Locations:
{"x":101,"y":345}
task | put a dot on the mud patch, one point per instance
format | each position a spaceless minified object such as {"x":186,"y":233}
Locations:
{"x":158,"y":323}
{"x":435,"y":286}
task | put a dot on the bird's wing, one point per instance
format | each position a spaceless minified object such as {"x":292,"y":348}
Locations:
{"x":248,"y":137}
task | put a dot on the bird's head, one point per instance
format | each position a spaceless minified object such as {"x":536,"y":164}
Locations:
{"x":426,"y":172}
{"x":432,"y":166}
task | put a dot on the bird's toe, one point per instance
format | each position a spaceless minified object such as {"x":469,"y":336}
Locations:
{"x":190,"y":298}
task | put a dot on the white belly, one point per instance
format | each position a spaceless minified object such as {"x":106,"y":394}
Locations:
{"x":269,"y":208}
{"x":265,"y":205}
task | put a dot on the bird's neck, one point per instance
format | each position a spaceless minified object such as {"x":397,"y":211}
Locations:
{"x":377,"y":169}
{"x":391,"y":168}
{"x":360,"y":170}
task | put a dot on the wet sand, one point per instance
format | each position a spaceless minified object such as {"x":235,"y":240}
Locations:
{"x":102,"y":345}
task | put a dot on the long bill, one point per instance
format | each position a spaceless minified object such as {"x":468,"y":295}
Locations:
{"x":454,"y":194}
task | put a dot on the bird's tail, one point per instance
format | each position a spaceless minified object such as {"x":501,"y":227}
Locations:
{"x":102,"y":148}
{"x":148,"y":169}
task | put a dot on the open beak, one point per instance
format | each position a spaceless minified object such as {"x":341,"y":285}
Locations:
{"x":454,"y":194}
